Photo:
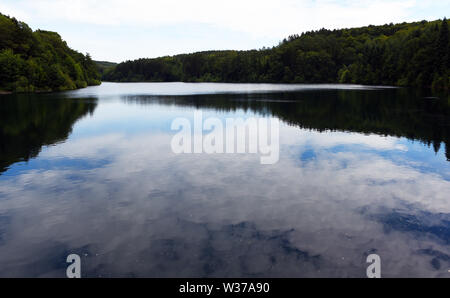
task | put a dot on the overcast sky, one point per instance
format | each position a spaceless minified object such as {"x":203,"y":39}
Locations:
{"x":119,"y":30}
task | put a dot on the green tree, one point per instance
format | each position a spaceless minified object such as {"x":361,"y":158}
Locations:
{"x":40,"y":60}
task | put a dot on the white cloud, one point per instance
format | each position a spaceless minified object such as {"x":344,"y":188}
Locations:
{"x":251,"y":23}
{"x":259,"y":17}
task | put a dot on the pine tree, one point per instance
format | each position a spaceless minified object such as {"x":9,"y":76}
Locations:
{"x":442,"y":48}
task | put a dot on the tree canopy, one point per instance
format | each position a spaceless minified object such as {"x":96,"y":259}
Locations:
{"x":40,"y":60}
{"x":406,"y":54}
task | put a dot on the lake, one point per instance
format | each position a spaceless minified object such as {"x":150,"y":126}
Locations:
{"x":361,"y":170}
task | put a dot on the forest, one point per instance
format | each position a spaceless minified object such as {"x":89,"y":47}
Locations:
{"x":104,"y":66}
{"x":36,"y":61}
{"x":407,"y":54}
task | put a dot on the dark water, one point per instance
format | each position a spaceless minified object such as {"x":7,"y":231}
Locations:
{"x":91,"y":172}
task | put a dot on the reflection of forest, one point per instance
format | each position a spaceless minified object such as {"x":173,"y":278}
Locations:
{"x":28,"y":122}
{"x":395,"y":112}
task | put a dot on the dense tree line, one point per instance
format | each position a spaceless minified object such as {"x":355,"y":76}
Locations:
{"x":407,"y":54}
{"x":104,"y":66}
{"x":40,"y":60}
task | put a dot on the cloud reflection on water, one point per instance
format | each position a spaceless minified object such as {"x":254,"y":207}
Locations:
{"x":149,"y":212}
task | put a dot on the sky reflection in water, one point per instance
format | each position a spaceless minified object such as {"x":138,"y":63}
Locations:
{"x":112,"y":191}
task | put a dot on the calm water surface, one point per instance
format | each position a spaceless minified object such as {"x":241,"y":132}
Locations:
{"x":362,"y":170}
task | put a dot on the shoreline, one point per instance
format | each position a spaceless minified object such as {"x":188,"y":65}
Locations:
{"x":4,"y":92}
